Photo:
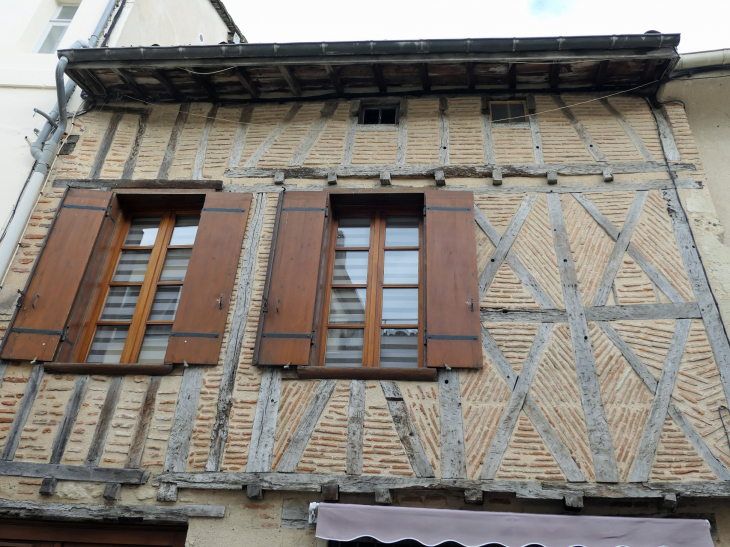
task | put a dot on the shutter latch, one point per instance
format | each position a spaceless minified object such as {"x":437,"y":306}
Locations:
{"x":19,"y":303}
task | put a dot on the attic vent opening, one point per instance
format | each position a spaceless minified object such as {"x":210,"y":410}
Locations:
{"x":508,"y":112}
{"x":379,"y":115}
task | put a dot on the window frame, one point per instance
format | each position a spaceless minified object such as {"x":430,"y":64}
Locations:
{"x":148,"y":287}
{"x":375,"y":285}
{"x":378,"y":105}
{"x":510,"y":123}
{"x":54,"y":21}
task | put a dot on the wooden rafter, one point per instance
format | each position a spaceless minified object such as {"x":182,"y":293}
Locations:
{"x":554,"y":75}
{"x":130,"y":82}
{"x":204,"y":82}
{"x":601,"y":73}
{"x":512,"y":76}
{"x":471,"y":79}
{"x":379,"y":79}
{"x":423,"y":74}
{"x":291,"y":81}
{"x":164,"y":79}
{"x":334,"y":78}
{"x":247,"y":82}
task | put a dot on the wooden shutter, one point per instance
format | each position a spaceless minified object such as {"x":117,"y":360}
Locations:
{"x":453,"y":328}
{"x":197,"y":332}
{"x":47,"y":302}
{"x":288,"y":314}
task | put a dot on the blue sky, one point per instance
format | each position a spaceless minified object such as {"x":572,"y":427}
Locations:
{"x":702,"y":23}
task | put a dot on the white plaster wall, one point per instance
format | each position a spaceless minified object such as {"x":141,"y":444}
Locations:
{"x":707,"y":103}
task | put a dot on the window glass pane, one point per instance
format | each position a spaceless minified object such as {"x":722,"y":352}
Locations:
{"x":54,"y":36}
{"x":347,"y":306}
{"x":67,"y":12}
{"x":500,"y":113}
{"x":164,"y":306}
{"x":176,"y":265}
{"x":517,"y":113}
{"x":353,"y":232}
{"x":143,"y":232}
{"x":120,"y":304}
{"x":371,"y":116}
{"x":154,"y":344}
{"x":401,"y":267}
{"x":344,"y":348}
{"x":108,"y":344}
{"x":350,"y":267}
{"x":401,"y":231}
{"x":186,"y":226}
{"x":132,"y":266}
{"x":398,"y":348}
{"x":400,"y":306}
{"x":387,"y":115}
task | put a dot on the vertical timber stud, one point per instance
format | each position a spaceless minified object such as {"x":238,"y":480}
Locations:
{"x":452,"y":289}
{"x":219,"y":433}
{"x":453,"y":455}
{"x":239,"y":140}
{"x":261,"y":450}
{"x":355,"y":425}
{"x":489,"y":158}
{"x":604,"y":459}
{"x":131,"y":163}
{"x":400,"y":157}
{"x":96,"y":449}
{"x":349,"y":146}
{"x":106,"y":143}
{"x":203,"y":144}
{"x":177,"y":130}
{"x":178,"y":446}
{"x":535,"y":130}
{"x":443,"y":131}
{"x":666,"y":134}
{"x":21,"y":416}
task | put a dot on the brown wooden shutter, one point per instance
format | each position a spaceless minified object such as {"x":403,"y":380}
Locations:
{"x":197,"y":332}
{"x":288,"y":314}
{"x":453,"y":329}
{"x":47,"y":302}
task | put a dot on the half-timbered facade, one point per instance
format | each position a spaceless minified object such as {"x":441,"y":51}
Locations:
{"x":477,"y":277}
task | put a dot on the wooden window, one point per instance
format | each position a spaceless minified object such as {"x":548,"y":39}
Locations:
{"x":508,"y":112}
{"x":386,"y":114}
{"x":373,"y":309}
{"x":134,"y":319}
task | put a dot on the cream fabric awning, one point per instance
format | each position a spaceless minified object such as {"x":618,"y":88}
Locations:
{"x":432,"y":527}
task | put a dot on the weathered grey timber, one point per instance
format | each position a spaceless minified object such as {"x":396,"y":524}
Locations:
{"x":351,"y":484}
{"x":349,"y":146}
{"x":406,"y":430}
{"x":604,"y":459}
{"x":355,"y":425}
{"x":619,"y":249}
{"x":78,"y":512}
{"x":385,"y":178}
{"x":239,"y":139}
{"x":73,"y":472}
{"x":48,"y":487}
{"x":105,"y":421}
{"x":383,"y":496}
{"x":636,"y":312}
{"x":440,"y":177}
{"x":669,"y":145}
{"x":591,"y":145}
{"x":487,"y":133}
{"x":527,"y":279}
{"x":219,"y":433}
{"x":535,"y":130}
{"x":400,"y":155}
{"x":443,"y":131}
{"x":701,"y":287}
{"x":505,"y":244}
{"x":105,"y":145}
{"x":177,"y":130}
{"x":473,"y":497}
{"x":255,"y":491}
{"x":283,"y":124}
{"x":182,"y":425}
{"x":131,"y":163}
{"x":140,"y":184}
{"x":26,"y":403}
{"x":607,"y":174}
{"x":310,"y":139}
{"x":3,"y":368}
{"x":552,"y":441}
{"x":462,"y":171}
{"x":574,"y":500}
{"x":203,"y":144}
{"x":330,"y":492}
{"x":497,"y":176}
{"x":300,"y":438}
{"x":552,"y":177}
{"x":261,"y":449}
{"x":660,"y":404}
{"x":453,"y":454}
{"x":508,"y":421}
{"x":332,"y":179}
{"x":654,"y":275}
{"x":629,"y":130}
{"x":291,"y":80}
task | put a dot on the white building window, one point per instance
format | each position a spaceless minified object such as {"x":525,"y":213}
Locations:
{"x":56,"y":28}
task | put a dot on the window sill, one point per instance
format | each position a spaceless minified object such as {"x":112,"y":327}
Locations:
{"x":146,"y":369}
{"x":366,"y":373}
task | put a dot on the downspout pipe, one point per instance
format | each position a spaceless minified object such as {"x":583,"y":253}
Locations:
{"x":43,"y":149}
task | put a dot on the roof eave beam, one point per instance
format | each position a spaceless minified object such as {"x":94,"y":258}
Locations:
{"x":334,"y":78}
{"x":167,"y":84}
{"x":379,"y":79}
{"x":601,"y":74}
{"x":204,"y":82}
{"x":247,"y":82}
{"x":290,"y":80}
{"x":471,"y":79}
{"x":512,"y":76}
{"x":129,"y":81}
{"x":425,"y":79}
{"x":554,"y":75}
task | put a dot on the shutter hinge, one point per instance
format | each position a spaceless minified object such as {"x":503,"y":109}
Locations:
{"x":19,"y":303}
{"x":264,"y":305}
{"x":64,"y":337}
{"x":108,"y":213}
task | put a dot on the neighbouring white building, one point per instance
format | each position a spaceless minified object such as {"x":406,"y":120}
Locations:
{"x":34,"y":29}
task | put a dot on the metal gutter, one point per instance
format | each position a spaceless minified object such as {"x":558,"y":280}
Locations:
{"x":702,"y":61}
{"x":345,"y":51}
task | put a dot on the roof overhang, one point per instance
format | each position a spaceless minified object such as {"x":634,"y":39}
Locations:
{"x":431,"y":527}
{"x":234,"y":72}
